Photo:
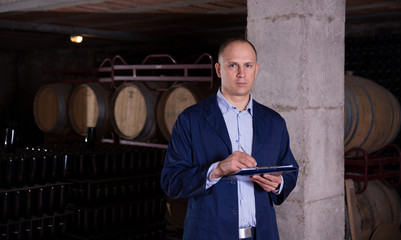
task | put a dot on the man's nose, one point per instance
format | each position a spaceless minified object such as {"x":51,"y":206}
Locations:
{"x":241,"y":72}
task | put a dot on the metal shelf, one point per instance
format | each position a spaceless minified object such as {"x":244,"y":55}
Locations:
{"x":116,"y":69}
{"x":360,"y":166}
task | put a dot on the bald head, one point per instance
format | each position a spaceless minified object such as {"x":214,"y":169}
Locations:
{"x":231,"y":41}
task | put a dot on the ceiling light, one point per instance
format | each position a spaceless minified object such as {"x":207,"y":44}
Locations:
{"x":76,"y":38}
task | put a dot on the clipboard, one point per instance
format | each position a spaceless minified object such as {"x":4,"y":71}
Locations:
{"x":275,"y":170}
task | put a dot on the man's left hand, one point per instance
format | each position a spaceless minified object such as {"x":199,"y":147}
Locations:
{"x":267,"y":181}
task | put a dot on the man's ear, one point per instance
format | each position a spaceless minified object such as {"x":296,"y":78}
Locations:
{"x":217,"y":67}
{"x":257,"y":69}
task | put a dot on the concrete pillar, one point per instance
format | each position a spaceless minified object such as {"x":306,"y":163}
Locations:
{"x":301,"y":52}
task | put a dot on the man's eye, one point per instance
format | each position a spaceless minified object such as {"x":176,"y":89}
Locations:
{"x":248,"y":65}
{"x":231,"y":65}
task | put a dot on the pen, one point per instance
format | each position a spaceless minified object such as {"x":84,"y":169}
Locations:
{"x":246,"y":153}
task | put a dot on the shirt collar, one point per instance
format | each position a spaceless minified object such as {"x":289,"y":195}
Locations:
{"x":225,"y":105}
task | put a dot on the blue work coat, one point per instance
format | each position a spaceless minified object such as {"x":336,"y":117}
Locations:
{"x":200,"y":138}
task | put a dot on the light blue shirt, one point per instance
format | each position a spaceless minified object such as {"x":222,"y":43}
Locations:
{"x":240,"y":129}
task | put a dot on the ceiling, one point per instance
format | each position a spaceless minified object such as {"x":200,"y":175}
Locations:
{"x":27,"y":25}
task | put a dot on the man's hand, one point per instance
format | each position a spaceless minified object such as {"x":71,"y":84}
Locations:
{"x":268,"y":182}
{"x":233,"y":163}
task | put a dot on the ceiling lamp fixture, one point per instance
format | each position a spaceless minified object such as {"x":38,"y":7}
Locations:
{"x":76,"y":38}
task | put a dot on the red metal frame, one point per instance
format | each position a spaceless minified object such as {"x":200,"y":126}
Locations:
{"x":377,"y":166}
{"x":126,"y":72}
{"x":117,"y":69}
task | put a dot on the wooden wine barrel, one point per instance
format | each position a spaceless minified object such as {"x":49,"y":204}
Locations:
{"x":172,"y":103}
{"x":372,"y":115}
{"x":377,"y":205}
{"x":133,"y":112}
{"x":385,"y":231}
{"x":89,"y":107}
{"x":50,"y":107}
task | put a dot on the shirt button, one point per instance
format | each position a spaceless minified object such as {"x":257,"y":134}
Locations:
{"x":243,"y":198}
{"x":244,"y":219}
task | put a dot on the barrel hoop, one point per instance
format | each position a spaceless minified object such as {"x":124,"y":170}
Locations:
{"x":103,"y":111}
{"x":357,"y":117}
{"x":372,"y":223}
{"x":150,"y":124}
{"x":388,"y":202}
{"x":349,"y":117}
{"x":398,"y":116}
{"x":392,"y":120}
{"x":373,"y":114}
{"x":399,"y":119}
{"x":62,"y":109}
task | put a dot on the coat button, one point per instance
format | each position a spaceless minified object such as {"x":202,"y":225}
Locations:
{"x":233,"y":182}
{"x":234,"y":212}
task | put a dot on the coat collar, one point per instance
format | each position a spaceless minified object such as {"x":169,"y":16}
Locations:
{"x":215,"y":119}
{"x":258,"y":128}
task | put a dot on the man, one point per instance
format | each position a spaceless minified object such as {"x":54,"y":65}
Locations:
{"x":227,"y":132}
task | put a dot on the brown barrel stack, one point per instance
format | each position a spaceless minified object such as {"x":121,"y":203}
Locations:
{"x":50,"y":108}
{"x":172,"y":103}
{"x":132,"y":112}
{"x":377,"y":205}
{"x":89,"y":107}
{"x":372,"y":115}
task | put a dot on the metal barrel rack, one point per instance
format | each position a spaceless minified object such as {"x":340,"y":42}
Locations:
{"x":154,"y":68}
{"x":159,"y":68}
{"x":117,"y":69}
{"x":158,"y":72}
{"x":383,"y":165}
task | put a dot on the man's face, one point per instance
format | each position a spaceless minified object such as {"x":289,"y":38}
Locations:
{"x":237,"y":68}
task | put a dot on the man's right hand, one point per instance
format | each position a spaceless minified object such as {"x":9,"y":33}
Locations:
{"x":233,"y":163}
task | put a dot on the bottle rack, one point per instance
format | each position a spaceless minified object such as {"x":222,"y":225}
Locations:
{"x":33,"y":195}
{"x":385,"y":164}
{"x":109,"y":191}
{"x":116,"y":192}
{"x":46,"y":227}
